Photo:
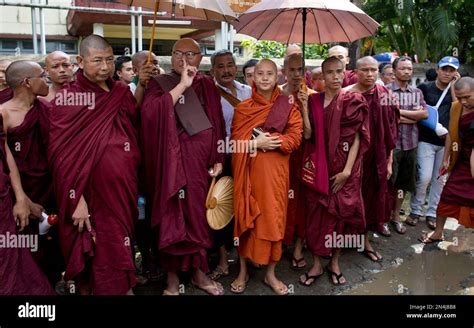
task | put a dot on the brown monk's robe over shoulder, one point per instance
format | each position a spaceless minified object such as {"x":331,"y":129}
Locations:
{"x":94,"y":152}
{"x":19,"y":273}
{"x":261,"y":180}
{"x":383,"y":121}
{"x":6,"y":95}
{"x":176,"y":166}
{"x":341,"y":212}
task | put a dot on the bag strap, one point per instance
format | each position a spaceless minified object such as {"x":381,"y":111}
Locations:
{"x":443,"y":95}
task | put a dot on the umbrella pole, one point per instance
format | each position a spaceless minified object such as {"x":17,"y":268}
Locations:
{"x":153,"y":31}
{"x":304,"y":35}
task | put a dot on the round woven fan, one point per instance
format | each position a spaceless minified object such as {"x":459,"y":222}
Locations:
{"x":220,"y":203}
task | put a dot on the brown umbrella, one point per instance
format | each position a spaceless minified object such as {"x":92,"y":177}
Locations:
{"x":288,"y":21}
{"x":216,"y":10}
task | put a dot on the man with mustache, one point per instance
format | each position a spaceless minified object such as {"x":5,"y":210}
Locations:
{"x":412,"y":110}
{"x":224,"y":70}
{"x":59,"y":70}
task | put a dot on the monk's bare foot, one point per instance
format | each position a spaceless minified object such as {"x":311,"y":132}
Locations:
{"x":335,"y":273}
{"x":203,"y":282}
{"x":172,"y":282}
{"x":277,"y":285}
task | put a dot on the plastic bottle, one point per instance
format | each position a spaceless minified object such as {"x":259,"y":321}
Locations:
{"x":46,"y":222}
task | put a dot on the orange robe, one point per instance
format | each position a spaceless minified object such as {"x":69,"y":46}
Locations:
{"x":261,"y":180}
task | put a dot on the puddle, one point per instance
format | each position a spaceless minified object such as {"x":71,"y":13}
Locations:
{"x":428,"y":273}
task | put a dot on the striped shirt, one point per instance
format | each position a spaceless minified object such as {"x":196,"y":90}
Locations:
{"x":409,"y":99}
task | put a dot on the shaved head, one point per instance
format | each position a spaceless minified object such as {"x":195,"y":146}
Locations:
{"x":93,"y":41}
{"x":464,"y":82}
{"x":139,"y":58}
{"x":5,"y":63}
{"x":20,"y":70}
{"x":264,"y":62}
{"x":3,"y":67}
{"x":187,"y":44}
{"x":366,"y":60}
{"x":337,"y":49}
{"x":331,"y":60}
{"x":56,"y":55}
{"x":293,"y":49}
{"x":295,"y":57}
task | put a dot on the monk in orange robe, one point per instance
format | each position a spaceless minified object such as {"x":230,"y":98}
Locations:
{"x":261,"y":173}
{"x":293,"y":69}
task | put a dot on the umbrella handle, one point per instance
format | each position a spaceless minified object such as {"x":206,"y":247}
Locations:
{"x":157,"y":2}
{"x":208,"y":198}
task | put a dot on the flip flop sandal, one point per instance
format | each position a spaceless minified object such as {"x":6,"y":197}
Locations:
{"x":277,"y":289}
{"x":239,"y":288}
{"x":399,"y":227}
{"x":428,"y":240}
{"x":166,"y":292}
{"x":295,"y":264}
{"x":207,"y":289}
{"x":367,"y":253}
{"x":218,"y":273}
{"x":412,"y":220}
{"x":308,"y":277}
{"x":338,"y":277}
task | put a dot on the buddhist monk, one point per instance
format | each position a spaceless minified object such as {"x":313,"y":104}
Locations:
{"x":20,"y":275}
{"x":317,"y":81}
{"x":457,"y":198}
{"x":261,"y":174}
{"x":182,"y":127}
{"x":295,"y":87}
{"x":28,"y":132}
{"x":143,"y":72}
{"x":94,"y":157}
{"x":60,"y":71}
{"x":28,"y":128}
{"x":350,"y":77}
{"x":6,"y":93}
{"x":336,"y":141}
{"x":377,"y":164}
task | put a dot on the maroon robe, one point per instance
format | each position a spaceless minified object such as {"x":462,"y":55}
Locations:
{"x":459,"y":189}
{"x":350,"y":78}
{"x":176,"y":173}
{"x":341,"y":212}
{"x":383,"y":120}
{"x":94,"y":153}
{"x":28,"y":144}
{"x":19,"y":273}
{"x":6,"y":95}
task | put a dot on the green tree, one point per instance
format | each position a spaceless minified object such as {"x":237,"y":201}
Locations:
{"x":273,"y":49}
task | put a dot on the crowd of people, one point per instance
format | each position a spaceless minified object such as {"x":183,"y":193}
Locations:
{"x":324,"y":155}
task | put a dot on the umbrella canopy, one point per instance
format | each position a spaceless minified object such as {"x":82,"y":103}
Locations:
{"x":216,"y":10}
{"x":322,"y":21}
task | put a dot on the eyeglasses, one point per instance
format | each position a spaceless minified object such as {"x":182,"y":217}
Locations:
{"x":189,"y":54}
{"x":98,"y":61}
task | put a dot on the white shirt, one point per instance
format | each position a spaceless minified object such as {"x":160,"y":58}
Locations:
{"x":243,"y":92}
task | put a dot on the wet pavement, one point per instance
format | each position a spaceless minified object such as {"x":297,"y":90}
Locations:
{"x":408,"y":267}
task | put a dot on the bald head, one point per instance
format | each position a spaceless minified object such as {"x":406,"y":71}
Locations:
{"x":55,"y":56}
{"x":266,"y":63}
{"x":3,"y":67}
{"x":139,"y":58}
{"x":340,"y":52}
{"x":331,"y":61}
{"x":465,"y":82}
{"x":293,"y":49}
{"x":293,"y":58}
{"x":93,"y":41}
{"x":21,"y":70}
{"x":367,"y":60}
{"x":188,"y":44}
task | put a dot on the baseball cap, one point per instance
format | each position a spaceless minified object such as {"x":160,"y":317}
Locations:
{"x":449,"y":61}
